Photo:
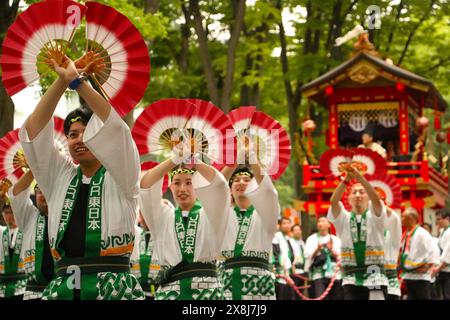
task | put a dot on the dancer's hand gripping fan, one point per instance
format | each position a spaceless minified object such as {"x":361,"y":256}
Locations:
{"x":333,"y":162}
{"x":268,"y":139}
{"x":165,"y":125}
{"x":116,"y":56}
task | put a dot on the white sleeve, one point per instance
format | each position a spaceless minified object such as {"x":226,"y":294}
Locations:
{"x":379,"y":221}
{"x":429,"y":249}
{"x":341,"y":218}
{"x":394,"y":226}
{"x":336,"y":244}
{"x":311,"y":246}
{"x":152,"y":207}
{"x":264,"y":197}
{"x":112,"y":144}
{"x":23,"y":208}
{"x":445,"y":256}
{"x":215,"y":199}
{"x":44,"y":158}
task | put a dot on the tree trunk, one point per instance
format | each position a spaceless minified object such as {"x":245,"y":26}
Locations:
{"x":151,"y":6}
{"x":7,"y":15}
{"x":231,"y":54}
{"x":211,"y":81}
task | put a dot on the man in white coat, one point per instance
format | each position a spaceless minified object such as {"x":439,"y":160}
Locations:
{"x":187,"y":239}
{"x":33,"y":221}
{"x":92,"y":204}
{"x":416,"y":257}
{"x":362,"y":235}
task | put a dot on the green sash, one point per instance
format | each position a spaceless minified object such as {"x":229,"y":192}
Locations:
{"x":11,"y":263}
{"x":186,"y":236}
{"x":359,"y":238}
{"x":93,"y":225}
{"x":145,"y":257}
{"x":405,"y":248}
{"x":327,"y":253}
{"x":244,"y":221}
{"x":39,"y":244}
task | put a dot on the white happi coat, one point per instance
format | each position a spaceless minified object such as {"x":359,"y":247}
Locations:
{"x":393,"y":242}
{"x":26,"y":215}
{"x":444,"y":245}
{"x":420,"y":252}
{"x":312,"y":243}
{"x":111,"y":143}
{"x":135,"y":257}
{"x":286,"y":263}
{"x":298,"y":248}
{"x":19,"y":285}
{"x":264,"y":198}
{"x":374,"y":242}
{"x":160,"y":217}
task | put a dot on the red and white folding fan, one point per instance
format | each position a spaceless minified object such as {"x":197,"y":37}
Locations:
{"x":59,"y":136}
{"x":158,"y":128}
{"x":271,"y":143}
{"x":333,"y":161}
{"x":12,"y":158}
{"x":121,"y":64}
{"x":241,"y":119}
{"x":366,"y":161}
{"x":211,"y":129}
{"x":126,"y":73}
{"x":11,"y":155}
{"x":388,"y":189}
{"x":150,"y":165}
{"x":370,"y":162}
{"x":42,"y":31}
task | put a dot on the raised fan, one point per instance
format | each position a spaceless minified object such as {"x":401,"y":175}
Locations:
{"x":366,"y":161}
{"x":332,"y":162}
{"x":168,"y":122}
{"x":126,"y":71}
{"x":241,"y":119}
{"x":388,"y":189}
{"x":158,"y":128}
{"x":270,"y":140}
{"x":211,"y":129}
{"x":42,"y":31}
{"x":121,"y":64}
{"x":12,"y":158}
{"x":150,"y":165}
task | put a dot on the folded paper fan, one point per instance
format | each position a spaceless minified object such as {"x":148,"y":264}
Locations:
{"x":213,"y":131}
{"x":366,"y":161}
{"x":42,"y":31}
{"x":166,"y":123}
{"x":12,"y":157}
{"x":332,"y":162}
{"x":158,"y":128}
{"x":271,"y":143}
{"x":121,"y":63}
{"x":270,"y":140}
{"x":60,"y":137}
{"x":126,"y":73}
{"x":241,"y":118}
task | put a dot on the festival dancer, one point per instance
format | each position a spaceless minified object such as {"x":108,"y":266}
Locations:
{"x":92,"y":205}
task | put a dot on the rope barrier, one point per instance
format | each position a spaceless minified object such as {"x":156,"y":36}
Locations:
{"x":291,"y":283}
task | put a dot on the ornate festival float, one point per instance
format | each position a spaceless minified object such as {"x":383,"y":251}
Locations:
{"x":369,"y":94}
